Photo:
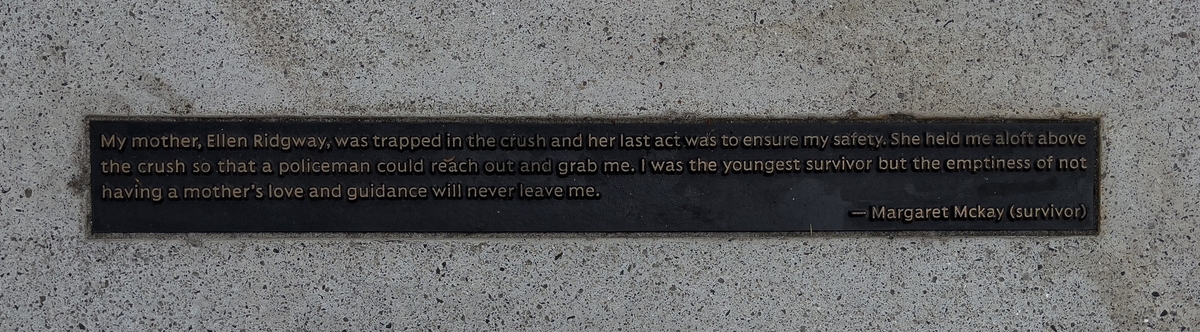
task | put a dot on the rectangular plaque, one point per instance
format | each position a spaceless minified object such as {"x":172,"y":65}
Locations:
{"x":382,"y":175}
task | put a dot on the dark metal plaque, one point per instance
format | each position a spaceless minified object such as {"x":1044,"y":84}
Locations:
{"x":378,"y":175}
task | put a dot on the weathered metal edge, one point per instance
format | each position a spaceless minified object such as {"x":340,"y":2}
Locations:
{"x":891,"y":118}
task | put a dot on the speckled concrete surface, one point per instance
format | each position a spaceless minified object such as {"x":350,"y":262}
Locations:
{"x":1135,"y":64}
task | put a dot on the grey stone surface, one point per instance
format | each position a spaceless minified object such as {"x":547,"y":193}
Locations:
{"x":1134,"y":64}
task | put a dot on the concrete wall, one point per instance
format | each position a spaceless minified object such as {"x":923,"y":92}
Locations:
{"x":1135,"y":64}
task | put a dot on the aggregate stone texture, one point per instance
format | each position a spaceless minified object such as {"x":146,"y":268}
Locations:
{"x":1134,"y":64}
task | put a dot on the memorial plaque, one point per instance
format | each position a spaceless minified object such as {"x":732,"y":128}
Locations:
{"x":385,"y":175}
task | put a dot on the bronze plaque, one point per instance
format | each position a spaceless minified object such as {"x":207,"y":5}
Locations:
{"x":384,"y":175}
